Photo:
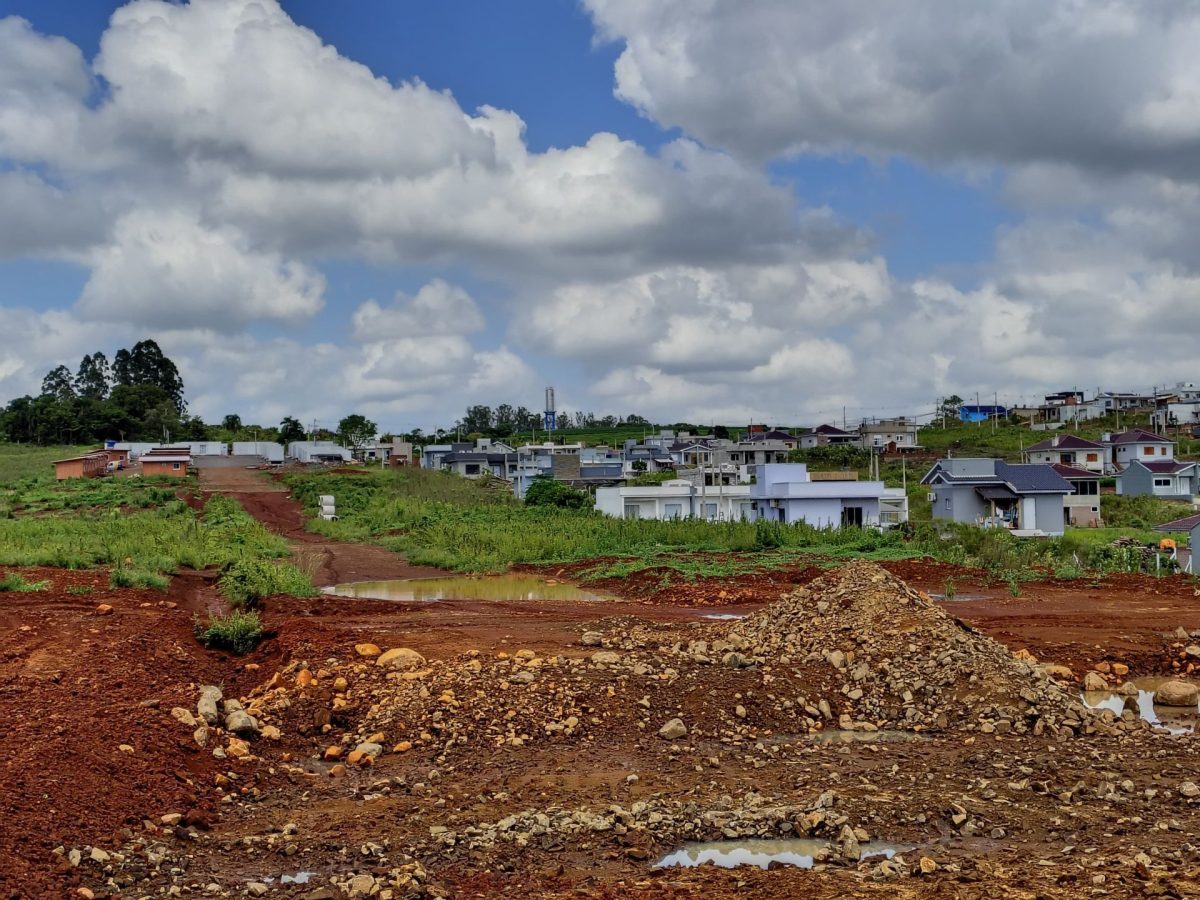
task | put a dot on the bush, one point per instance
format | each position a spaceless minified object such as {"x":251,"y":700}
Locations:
{"x":245,"y":581}
{"x":545,"y":491}
{"x":238,"y":632}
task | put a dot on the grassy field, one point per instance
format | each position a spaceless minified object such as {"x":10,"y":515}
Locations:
{"x":439,"y":519}
{"x":139,"y":528}
{"x":20,"y":461}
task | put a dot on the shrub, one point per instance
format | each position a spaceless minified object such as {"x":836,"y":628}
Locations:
{"x":545,"y":491}
{"x":238,"y":632}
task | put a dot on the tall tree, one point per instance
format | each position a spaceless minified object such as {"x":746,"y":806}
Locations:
{"x":92,"y":379}
{"x":59,"y":384}
{"x":122,"y":368}
{"x":478,"y":419}
{"x":290,"y":430}
{"x":149,"y":365}
{"x":232,"y":422}
{"x":356,"y":430}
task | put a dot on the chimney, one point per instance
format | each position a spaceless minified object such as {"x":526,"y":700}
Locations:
{"x":1054,"y":441}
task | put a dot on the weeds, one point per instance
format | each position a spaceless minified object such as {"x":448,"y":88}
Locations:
{"x":16,"y":582}
{"x":246,"y":581}
{"x":238,"y":633}
{"x":81,"y":589}
{"x":949,"y":591}
{"x":122,"y":577}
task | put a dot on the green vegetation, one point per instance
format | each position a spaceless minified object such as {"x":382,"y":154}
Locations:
{"x":138,"y":527}
{"x":545,"y":491}
{"x":246,"y":581}
{"x":20,"y":461}
{"x":14,"y":581}
{"x":239,"y":632}
{"x":1140,"y":512}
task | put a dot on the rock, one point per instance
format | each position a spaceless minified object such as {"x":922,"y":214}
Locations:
{"x":256,"y":888}
{"x":605,"y":658}
{"x":1120,"y":669}
{"x":334,"y":751}
{"x":183,"y":716}
{"x":1128,"y":689}
{"x":1177,"y":693}
{"x":836,"y":658}
{"x":369,"y":749}
{"x":241,"y":722}
{"x":200,"y":735}
{"x":85,"y":892}
{"x":673,"y":729}
{"x":848,"y":844}
{"x":1182,"y":633}
{"x":522,"y":678}
{"x":304,"y":678}
{"x":592,"y":638}
{"x":99,"y":856}
{"x":171,"y":819}
{"x":1192,"y":650}
{"x":271,"y":733}
{"x":739,"y":711}
{"x":104,"y":609}
{"x":1094,"y":681}
{"x":1189,"y":789}
{"x":400,"y":658}
{"x":734,"y":660}
{"x":361,"y":886}
{"x":927,"y":866}
{"x":206,"y":706}
{"x":370,"y":651}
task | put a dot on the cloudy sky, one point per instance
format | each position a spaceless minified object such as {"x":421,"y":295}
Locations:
{"x":689,"y":209}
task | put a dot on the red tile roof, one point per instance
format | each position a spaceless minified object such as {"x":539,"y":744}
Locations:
{"x":1139,"y":436}
{"x":1070,"y":472}
{"x":1066,"y":442}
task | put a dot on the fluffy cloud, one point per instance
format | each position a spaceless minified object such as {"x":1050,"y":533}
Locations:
{"x":170,"y":271}
{"x":438,"y":308}
{"x":1113,"y":85}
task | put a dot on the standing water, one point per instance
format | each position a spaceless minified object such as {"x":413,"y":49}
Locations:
{"x":1175,"y":719}
{"x":492,"y":587}
{"x":799,"y":852}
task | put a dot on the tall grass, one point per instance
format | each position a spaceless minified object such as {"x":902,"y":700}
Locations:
{"x":238,"y":632}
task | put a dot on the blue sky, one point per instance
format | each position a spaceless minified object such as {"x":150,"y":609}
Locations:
{"x":246,"y":205}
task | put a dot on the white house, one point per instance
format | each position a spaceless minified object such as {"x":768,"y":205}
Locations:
{"x":268,"y":450}
{"x":208,"y":448}
{"x":889,"y":435}
{"x":1069,"y":450}
{"x":1139,"y":444}
{"x":677,"y":499}
{"x":318,"y":452}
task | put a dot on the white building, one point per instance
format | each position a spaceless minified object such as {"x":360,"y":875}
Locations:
{"x":318,"y":452}
{"x":784,"y":492}
{"x":1139,"y":444}
{"x":267,"y":450}
{"x":207,"y":448}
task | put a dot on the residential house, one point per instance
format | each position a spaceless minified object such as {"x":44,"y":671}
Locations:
{"x":786,"y":493}
{"x":758,"y":452}
{"x":478,"y":463}
{"x":646,"y":458}
{"x":268,"y":451}
{"x":134,"y":448}
{"x":775,"y":434}
{"x":1127,"y":402}
{"x":889,"y":435}
{"x":676,"y":499}
{"x":1082,"y":505}
{"x":89,"y":465}
{"x":318,"y":452}
{"x":1141,"y":445}
{"x":1069,"y":450}
{"x":981,"y":412}
{"x":824,"y":435}
{"x":431,"y":454}
{"x":166,"y":461}
{"x":117,"y":459}
{"x":1025,"y":498}
{"x":207,"y":448}
{"x":1177,"y":414}
{"x":1173,"y":479}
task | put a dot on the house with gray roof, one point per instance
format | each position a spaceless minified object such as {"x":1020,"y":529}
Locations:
{"x":1174,"y":479}
{"x":1027,"y":499}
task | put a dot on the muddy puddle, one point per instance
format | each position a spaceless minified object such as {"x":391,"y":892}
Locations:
{"x":884,"y":736}
{"x":955,"y":598}
{"x":491,"y":587}
{"x":293,"y":878}
{"x":723,"y":617}
{"x":801,"y":852}
{"x":1175,"y":719}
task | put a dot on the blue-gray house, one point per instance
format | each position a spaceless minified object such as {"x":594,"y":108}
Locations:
{"x":1026,"y":499}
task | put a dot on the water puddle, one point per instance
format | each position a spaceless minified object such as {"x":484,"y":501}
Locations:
{"x":886,"y":736}
{"x":1175,"y":719}
{"x":490,"y":587}
{"x":723,"y":617}
{"x":954,"y":598}
{"x":294,"y":878}
{"x":762,"y":852}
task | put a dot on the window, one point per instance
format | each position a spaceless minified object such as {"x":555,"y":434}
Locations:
{"x":852,"y":516}
{"x":175,"y":466}
{"x":632,"y":511}
{"x":947,"y":503}
{"x":1147,"y":451}
{"x":710,"y":510}
{"x":472,"y":468}
{"x":674,"y":510}
{"x":1093,"y":457}
{"x":1162,"y":451}
{"x":1162,"y":482}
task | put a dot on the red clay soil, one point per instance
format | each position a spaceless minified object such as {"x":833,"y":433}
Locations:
{"x":75,"y":685}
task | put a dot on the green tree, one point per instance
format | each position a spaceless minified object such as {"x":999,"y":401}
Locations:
{"x":232,"y":423}
{"x":59,"y":384}
{"x":949,"y":407}
{"x":290,"y":430}
{"x":92,"y":379}
{"x":356,"y":430}
{"x":149,"y":365}
{"x":545,"y":491}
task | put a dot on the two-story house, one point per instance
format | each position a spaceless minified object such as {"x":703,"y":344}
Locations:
{"x":1069,"y":450}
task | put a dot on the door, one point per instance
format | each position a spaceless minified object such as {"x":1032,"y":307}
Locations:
{"x":673,"y":510}
{"x":852,"y":516}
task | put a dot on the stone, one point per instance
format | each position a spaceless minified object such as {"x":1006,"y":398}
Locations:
{"x":361,"y":886}
{"x":334,"y":751}
{"x":183,"y":716}
{"x":256,"y":888}
{"x":1182,"y":633}
{"x":206,"y":706}
{"x":85,"y":892}
{"x":927,"y":866}
{"x":836,"y":658}
{"x":271,"y":733}
{"x":369,"y":749}
{"x":370,"y":651}
{"x":1189,"y":789}
{"x":1177,"y":693}
{"x":673,"y":729}
{"x":1094,"y":681}
{"x":1192,"y":650}
{"x":171,"y":819}
{"x":592,"y":638}
{"x":1120,"y":669}
{"x":241,"y":723}
{"x":99,"y":856}
{"x":104,"y":609}
{"x":200,"y":736}
{"x":522,"y":678}
{"x":304,"y":678}
{"x":605,"y":658}
{"x":848,"y":844}
{"x":1128,"y":689}
{"x":1054,"y":670}
{"x":400,"y":658}
{"x":733,"y":660}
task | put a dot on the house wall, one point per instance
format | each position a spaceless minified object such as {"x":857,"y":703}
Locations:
{"x":1083,"y":511}
{"x":820,"y":512}
{"x":1124,"y":454}
{"x":1047,"y":512}
{"x":1092,"y":460}
{"x":1138,"y":481}
{"x":177,"y":470}
{"x":965,"y":505}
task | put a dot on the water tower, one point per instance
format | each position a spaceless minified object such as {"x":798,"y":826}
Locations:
{"x":550,"y":417}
